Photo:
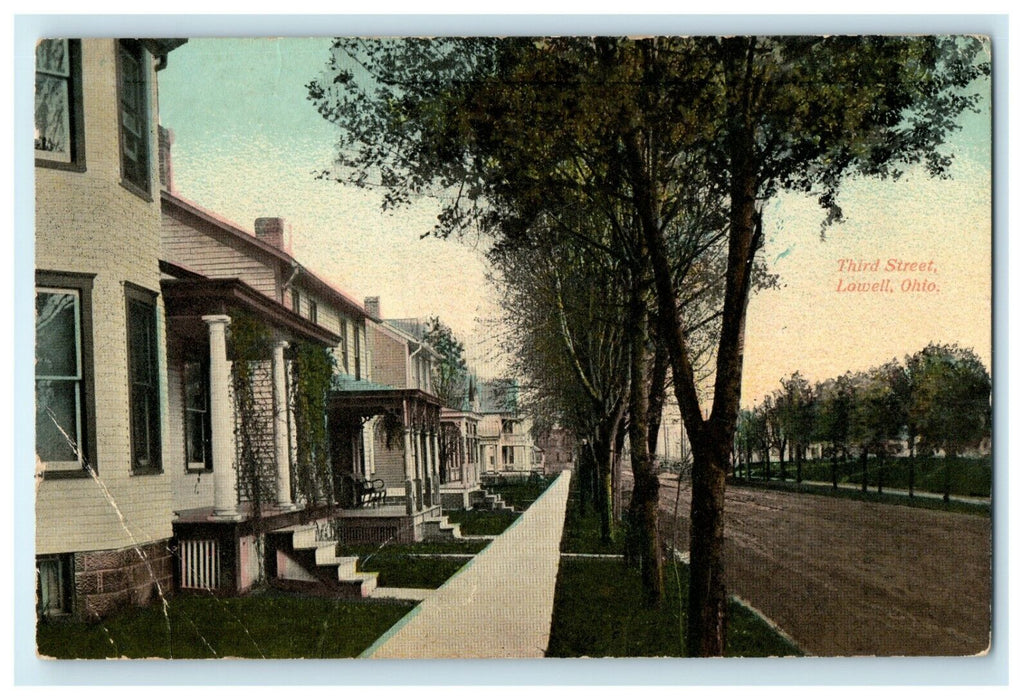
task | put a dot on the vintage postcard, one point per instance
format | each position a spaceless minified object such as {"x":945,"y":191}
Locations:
{"x":596,"y":346}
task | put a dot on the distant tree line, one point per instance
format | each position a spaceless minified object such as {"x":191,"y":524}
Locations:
{"x":936,"y":400}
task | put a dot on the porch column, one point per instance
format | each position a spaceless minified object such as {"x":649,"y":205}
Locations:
{"x":222,"y":459}
{"x":409,"y":471}
{"x":434,"y":465}
{"x":280,"y":427}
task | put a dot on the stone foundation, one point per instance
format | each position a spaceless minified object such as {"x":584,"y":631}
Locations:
{"x":109,"y":580}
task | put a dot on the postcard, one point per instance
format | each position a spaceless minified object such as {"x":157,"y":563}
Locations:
{"x":513,"y":348}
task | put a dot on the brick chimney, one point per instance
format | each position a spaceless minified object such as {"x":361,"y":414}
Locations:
{"x":270,"y":229}
{"x":372,"y":307}
{"x":165,"y":139}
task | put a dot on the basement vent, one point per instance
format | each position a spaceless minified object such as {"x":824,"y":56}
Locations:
{"x":199,"y":564}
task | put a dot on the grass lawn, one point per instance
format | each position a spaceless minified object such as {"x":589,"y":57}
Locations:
{"x":482,"y":522}
{"x":262,"y":625}
{"x":969,"y":476}
{"x":599,"y":612}
{"x":521,"y":491}
{"x":413,"y":565}
{"x":583,"y":531}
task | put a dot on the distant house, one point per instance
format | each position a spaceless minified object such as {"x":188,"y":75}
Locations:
{"x":460,"y":463}
{"x":103,"y":497}
{"x":559,"y":446}
{"x":404,"y":413}
{"x":504,"y":433}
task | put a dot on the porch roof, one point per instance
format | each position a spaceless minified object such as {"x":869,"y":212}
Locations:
{"x":194,"y":297}
{"x":410,"y":406}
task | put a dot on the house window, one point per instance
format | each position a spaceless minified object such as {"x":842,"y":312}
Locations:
{"x":144,"y":399}
{"x":508,"y":456}
{"x":54,"y":585}
{"x":313,"y":311}
{"x":357,"y":352}
{"x":134,"y":116}
{"x":65,"y":432}
{"x":295,"y":301}
{"x":197,"y":418}
{"x":507,"y":426}
{"x":59,"y":126}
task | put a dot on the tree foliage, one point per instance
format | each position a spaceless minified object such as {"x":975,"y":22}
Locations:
{"x":451,"y":374}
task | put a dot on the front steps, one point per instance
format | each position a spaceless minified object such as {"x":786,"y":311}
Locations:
{"x":485,"y":500}
{"x":303,"y":561}
{"x":437,"y":529}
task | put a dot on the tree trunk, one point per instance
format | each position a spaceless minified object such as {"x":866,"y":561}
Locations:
{"x":911,"y":468}
{"x":586,"y":469}
{"x":643,"y":547}
{"x":833,"y":469}
{"x":711,"y":440}
{"x":947,"y":477}
{"x":706,"y":610}
{"x":620,"y":439}
{"x":604,"y":483}
{"x":865,"y":470}
{"x":879,"y":473}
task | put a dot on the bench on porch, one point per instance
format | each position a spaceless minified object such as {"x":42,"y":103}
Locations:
{"x":367,"y":492}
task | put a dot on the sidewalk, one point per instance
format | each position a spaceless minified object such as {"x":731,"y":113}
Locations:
{"x":499,"y":605}
{"x":974,"y":500}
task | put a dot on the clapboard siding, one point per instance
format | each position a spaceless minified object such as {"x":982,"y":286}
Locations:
{"x":390,"y":356}
{"x":389,"y":464}
{"x":202,"y":247}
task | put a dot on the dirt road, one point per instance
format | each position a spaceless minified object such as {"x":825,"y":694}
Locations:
{"x":850,"y":578}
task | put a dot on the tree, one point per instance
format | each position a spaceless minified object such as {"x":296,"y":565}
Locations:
{"x":951,"y":401}
{"x":877,"y":420}
{"x":451,"y":374}
{"x":561,"y":306}
{"x":689,"y":135}
{"x":835,"y":408}
{"x":798,"y":416}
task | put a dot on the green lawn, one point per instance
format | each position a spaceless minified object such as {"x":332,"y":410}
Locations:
{"x":482,"y":522}
{"x":269,"y":625}
{"x":599,"y":612}
{"x":521,"y":491}
{"x":413,"y":565}
{"x":969,"y":476}
{"x":599,"y":609}
{"x":583,"y":530}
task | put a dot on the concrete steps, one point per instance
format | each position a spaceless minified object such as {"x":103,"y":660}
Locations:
{"x":490,"y":501}
{"x":436,"y":529}
{"x":315,"y":560}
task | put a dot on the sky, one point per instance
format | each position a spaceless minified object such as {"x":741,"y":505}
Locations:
{"x":247,"y":143}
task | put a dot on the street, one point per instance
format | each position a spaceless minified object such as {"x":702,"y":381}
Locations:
{"x":851,"y":578}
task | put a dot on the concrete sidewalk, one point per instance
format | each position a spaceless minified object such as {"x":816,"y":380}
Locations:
{"x":499,"y":605}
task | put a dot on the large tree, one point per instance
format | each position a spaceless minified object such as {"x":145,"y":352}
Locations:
{"x":451,"y":375}
{"x":690,"y":134}
{"x":951,"y":401}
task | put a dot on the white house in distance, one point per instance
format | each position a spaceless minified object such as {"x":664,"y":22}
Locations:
{"x":460,"y":465}
{"x":504,"y":434}
{"x":103,"y":497}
